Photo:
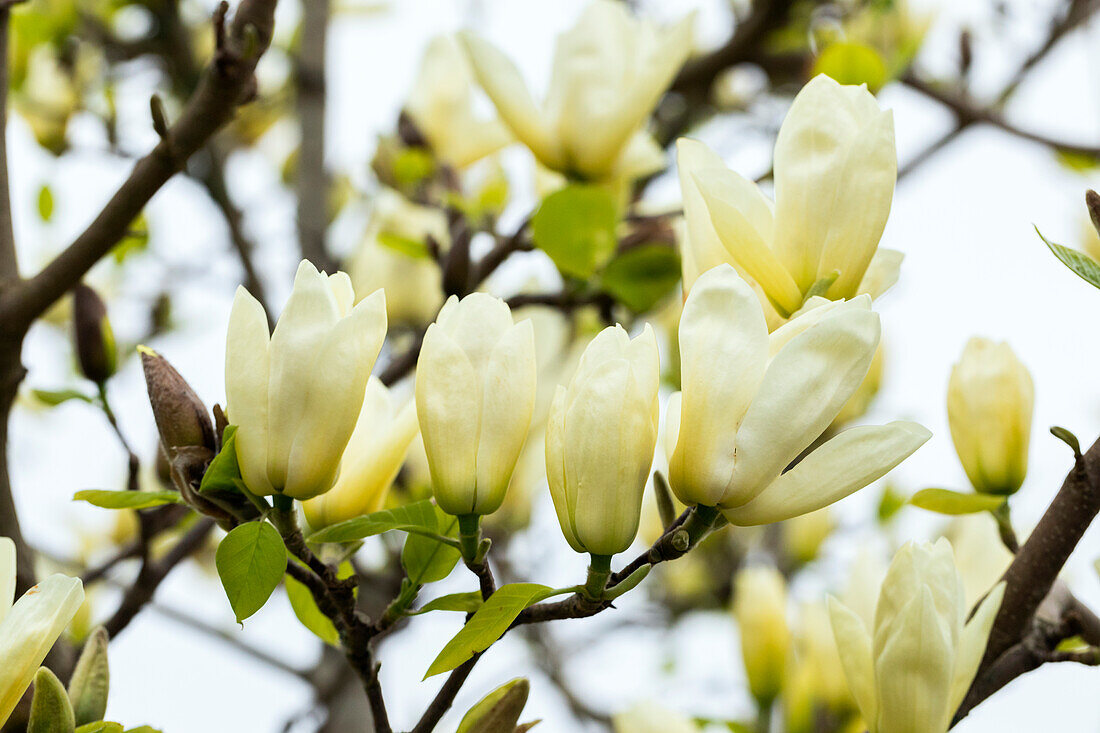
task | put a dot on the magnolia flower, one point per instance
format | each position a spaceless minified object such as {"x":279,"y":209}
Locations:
{"x":989,"y":402}
{"x":371,"y":460}
{"x":441,"y":105}
{"x":29,"y":628}
{"x":600,"y":441}
{"x":649,"y":717}
{"x":295,"y":396}
{"x":609,"y":72}
{"x":760,"y":607}
{"x":835,"y":168}
{"x":752,"y":403}
{"x":475,"y":392}
{"x":815,"y":679}
{"x":393,"y":256}
{"x":980,"y":555}
{"x":910,"y":672}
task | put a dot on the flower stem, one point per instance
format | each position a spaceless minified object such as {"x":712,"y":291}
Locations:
{"x":469,"y":536}
{"x":599,"y":570}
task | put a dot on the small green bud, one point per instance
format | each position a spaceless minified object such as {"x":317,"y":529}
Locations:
{"x":95,"y":341}
{"x":181,"y":417}
{"x":499,"y":711}
{"x":50,"y":708}
{"x":91,"y":679}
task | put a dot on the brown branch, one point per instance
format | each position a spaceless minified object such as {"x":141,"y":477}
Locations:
{"x":227,"y":83}
{"x":311,"y":177}
{"x":9,"y":266}
{"x":443,"y":699}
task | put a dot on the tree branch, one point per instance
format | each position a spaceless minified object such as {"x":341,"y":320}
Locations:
{"x":311,"y":177}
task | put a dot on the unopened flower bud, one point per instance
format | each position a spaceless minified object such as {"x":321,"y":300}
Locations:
{"x":91,"y":679}
{"x":95,"y":341}
{"x":50,"y":708}
{"x":760,"y":607}
{"x":499,"y":711}
{"x":1092,"y":200}
{"x":182,"y":419}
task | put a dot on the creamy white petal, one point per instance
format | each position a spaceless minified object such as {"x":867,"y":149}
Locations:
{"x":7,"y":575}
{"x":804,"y":387}
{"x":476,"y":323}
{"x":702,"y":248}
{"x":723,"y":353}
{"x":972,"y":644}
{"x":246,"y":388}
{"x":844,"y":464}
{"x":564,"y":499}
{"x":853,"y":643}
{"x":882,"y":273}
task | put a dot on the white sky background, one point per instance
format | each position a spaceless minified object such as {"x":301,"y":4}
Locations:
{"x":973,"y":266}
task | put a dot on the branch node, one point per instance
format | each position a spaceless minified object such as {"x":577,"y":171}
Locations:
{"x":160,"y":118}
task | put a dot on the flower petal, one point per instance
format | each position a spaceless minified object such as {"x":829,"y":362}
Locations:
{"x":246,"y":388}
{"x":853,"y":643}
{"x":564,"y":501}
{"x":972,"y":641}
{"x":7,"y":575}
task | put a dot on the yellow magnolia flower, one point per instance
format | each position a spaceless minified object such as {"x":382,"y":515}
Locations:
{"x":801,"y":537}
{"x":475,"y":392}
{"x":609,"y":72}
{"x":910,"y":672}
{"x":371,"y":460}
{"x":649,"y":717}
{"x":989,"y":403}
{"x":29,"y":628}
{"x":760,"y":607}
{"x":295,"y":396}
{"x":600,"y":441}
{"x":412,"y":280}
{"x":751,"y":403}
{"x":441,"y":105}
{"x":980,"y":555}
{"x":835,"y":168}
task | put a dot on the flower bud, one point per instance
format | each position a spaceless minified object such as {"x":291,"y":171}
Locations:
{"x":181,"y":417}
{"x":911,"y":670}
{"x":801,"y":537}
{"x":91,"y":680}
{"x":499,"y":711}
{"x":371,"y":460}
{"x":475,"y":393}
{"x":95,"y":341}
{"x":295,"y":396}
{"x":50,"y":708}
{"x":760,"y":607}
{"x":989,"y":403}
{"x":600,"y":441}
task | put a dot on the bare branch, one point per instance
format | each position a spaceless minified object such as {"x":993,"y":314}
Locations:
{"x":311,"y":177}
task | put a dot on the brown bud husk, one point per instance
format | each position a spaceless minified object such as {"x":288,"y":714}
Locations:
{"x":499,"y":711}
{"x":182,"y":419}
{"x":95,"y":341}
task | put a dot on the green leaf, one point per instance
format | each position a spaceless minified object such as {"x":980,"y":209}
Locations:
{"x":135,"y":240}
{"x":223,"y":473}
{"x":642,"y":276}
{"x":945,"y":501}
{"x":419,"y":516}
{"x":143,"y":729}
{"x":54,"y":397}
{"x":889,"y":504}
{"x":251,"y":561}
{"x":1085,"y":267}
{"x":50,"y":708}
{"x":576,"y":227}
{"x":127,"y":499}
{"x":45,"y":202}
{"x":413,"y":165}
{"x":100,"y":726}
{"x":488,"y":624}
{"x":427,"y":560}
{"x":1076,"y":161}
{"x":414,"y":248}
{"x":465,"y":602}
{"x":849,"y":62}
{"x":305,"y":608}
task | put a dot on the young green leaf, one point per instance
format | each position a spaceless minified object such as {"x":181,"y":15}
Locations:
{"x":251,"y":561}
{"x":1084,"y":266}
{"x":54,"y":397}
{"x":223,"y":473}
{"x":305,"y":608}
{"x":465,"y":602}
{"x":127,"y":499}
{"x":488,"y":624}
{"x":100,"y":726}
{"x":427,"y":560}
{"x":576,"y":227}
{"x":45,"y":202}
{"x":642,"y":276}
{"x":419,"y":516}
{"x":944,"y":501}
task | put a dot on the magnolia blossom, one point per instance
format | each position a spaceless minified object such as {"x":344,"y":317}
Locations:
{"x":393,"y":256}
{"x":371,"y":460}
{"x":609,"y":71}
{"x":815,"y":677}
{"x":753,"y":402}
{"x":600,"y":441}
{"x":835,"y":168}
{"x":989,"y":403}
{"x":295,"y":396}
{"x":911,"y":670}
{"x":760,"y":607}
{"x":475,"y":392}
{"x":29,"y":628}
{"x":441,"y":105}
{"x":649,"y":717}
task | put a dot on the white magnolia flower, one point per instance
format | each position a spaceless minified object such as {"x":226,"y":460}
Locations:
{"x":911,"y":670}
{"x":649,"y":717}
{"x":760,"y":608}
{"x":835,"y":168}
{"x":441,"y":105}
{"x":609,"y":72}
{"x":990,"y":397}
{"x":373,"y":457}
{"x":600,"y":441}
{"x":295,"y":396}
{"x":475,"y":392}
{"x":751,"y":403}
{"x":29,"y":628}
